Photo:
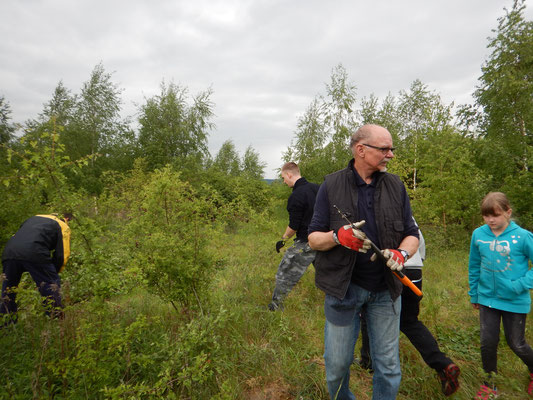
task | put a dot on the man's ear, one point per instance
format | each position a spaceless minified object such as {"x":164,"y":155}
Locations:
{"x":357,"y":150}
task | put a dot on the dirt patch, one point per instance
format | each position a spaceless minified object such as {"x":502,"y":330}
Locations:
{"x":268,"y":391}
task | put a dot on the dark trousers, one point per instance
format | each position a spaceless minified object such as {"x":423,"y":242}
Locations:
{"x":514,"y":327}
{"x":417,"y":333}
{"x":45,"y":276}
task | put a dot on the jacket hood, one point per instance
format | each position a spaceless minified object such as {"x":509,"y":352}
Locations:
{"x":511,"y":227}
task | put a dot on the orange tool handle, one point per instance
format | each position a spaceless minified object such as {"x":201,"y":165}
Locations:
{"x":407,"y":282}
{"x":399,"y":274}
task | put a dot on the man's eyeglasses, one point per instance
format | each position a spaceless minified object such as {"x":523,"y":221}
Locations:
{"x":384,"y":150}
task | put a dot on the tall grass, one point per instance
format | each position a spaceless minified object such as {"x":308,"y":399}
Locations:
{"x":135,"y":346}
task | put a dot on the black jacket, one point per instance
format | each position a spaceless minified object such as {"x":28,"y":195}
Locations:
{"x":40,"y":239}
{"x":300,"y":207}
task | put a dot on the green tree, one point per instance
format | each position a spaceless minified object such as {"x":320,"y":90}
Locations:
{"x":169,"y":233}
{"x":306,"y":148}
{"x":321,"y":142}
{"x":252,"y":166}
{"x":442,"y":196}
{"x":88,"y":124}
{"x":61,"y":107}
{"x":96,"y":117}
{"x":227,"y":159}
{"x":504,"y":108}
{"x":432,"y":155}
{"x":171,"y":130}
{"x":56,"y":115}
{"x":421,"y":115}
{"x":6,"y":207}
{"x":505,"y":94}
{"x":6,"y":127}
{"x":37,"y":180}
{"x":340,"y":115}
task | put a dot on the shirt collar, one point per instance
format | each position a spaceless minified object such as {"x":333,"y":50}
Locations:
{"x":360,"y":181}
{"x":299,"y":182}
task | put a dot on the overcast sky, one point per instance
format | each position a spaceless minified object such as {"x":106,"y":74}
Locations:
{"x":264,"y":59}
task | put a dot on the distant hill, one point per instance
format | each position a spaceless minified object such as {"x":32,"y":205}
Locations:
{"x":269,"y":181}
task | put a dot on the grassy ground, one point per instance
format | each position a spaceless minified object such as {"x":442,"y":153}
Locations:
{"x":283,"y":356}
{"x":252,"y":354}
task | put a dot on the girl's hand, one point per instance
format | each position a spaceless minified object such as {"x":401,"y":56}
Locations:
{"x":476,"y":306}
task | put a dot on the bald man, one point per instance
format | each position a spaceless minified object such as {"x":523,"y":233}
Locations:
{"x":351,"y":280}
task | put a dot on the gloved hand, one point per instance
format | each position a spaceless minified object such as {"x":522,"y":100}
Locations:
{"x":352,"y":238}
{"x":279,"y":245}
{"x":394,"y":258}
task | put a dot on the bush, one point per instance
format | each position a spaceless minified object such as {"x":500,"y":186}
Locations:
{"x":168,"y":236}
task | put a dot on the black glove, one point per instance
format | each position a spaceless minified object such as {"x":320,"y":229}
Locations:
{"x":279,"y":245}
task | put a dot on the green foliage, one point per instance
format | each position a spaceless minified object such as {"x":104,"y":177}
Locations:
{"x":109,"y":350}
{"x":322,"y":135}
{"x":95,"y":126}
{"x":252,"y":166}
{"x":99,"y":264}
{"x":227,"y":159}
{"x":228,"y":162}
{"x":236,"y":195}
{"x":6,"y":127}
{"x":36,"y":180}
{"x":135,"y":346}
{"x":505,"y":95}
{"x":442,"y":198}
{"x":519,"y":191}
{"x":169,"y":233}
{"x":171,"y":129}
{"x":173,"y":253}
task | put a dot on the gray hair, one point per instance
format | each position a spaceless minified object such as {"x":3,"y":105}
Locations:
{"x":363,"y":133}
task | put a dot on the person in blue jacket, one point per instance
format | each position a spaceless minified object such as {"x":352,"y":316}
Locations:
{"x":500,"y":280}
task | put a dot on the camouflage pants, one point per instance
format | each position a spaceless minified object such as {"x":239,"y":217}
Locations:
{"x":291,"y":268}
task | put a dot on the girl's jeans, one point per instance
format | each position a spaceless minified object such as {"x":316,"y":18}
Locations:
{"x":514,"y":327}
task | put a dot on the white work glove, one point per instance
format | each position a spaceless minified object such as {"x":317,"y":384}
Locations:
{"x":395,"y":259}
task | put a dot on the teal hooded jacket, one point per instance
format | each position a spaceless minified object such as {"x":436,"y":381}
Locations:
{"x":498,"y":270}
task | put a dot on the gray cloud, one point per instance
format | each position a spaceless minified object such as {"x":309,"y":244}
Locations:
{"x":265,"y":59}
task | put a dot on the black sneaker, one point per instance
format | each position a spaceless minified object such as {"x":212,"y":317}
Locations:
{"x":449,"y":379}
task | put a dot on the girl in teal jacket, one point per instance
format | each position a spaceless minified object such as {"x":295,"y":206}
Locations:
{"x":500,"y":280}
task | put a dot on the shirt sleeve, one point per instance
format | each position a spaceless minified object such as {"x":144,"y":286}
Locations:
{"x":525,"y":283}
{"x":61,"y":252}
{"x":320,"y":220}
{"x":474,"y":267}
{"x":411,"y":228}
{"x":421,"y":245}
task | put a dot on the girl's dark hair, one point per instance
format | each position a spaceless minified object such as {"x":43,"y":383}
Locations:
{"x":494,"y":202}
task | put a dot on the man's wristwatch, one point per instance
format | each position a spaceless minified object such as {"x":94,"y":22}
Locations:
{"x":404,"y":253}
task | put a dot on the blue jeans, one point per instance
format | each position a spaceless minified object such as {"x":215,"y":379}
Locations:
{"x":383,"y":322}
{"x":45,"y":276}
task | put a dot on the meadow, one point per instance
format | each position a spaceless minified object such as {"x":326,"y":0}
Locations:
{"x":136,"y":346}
